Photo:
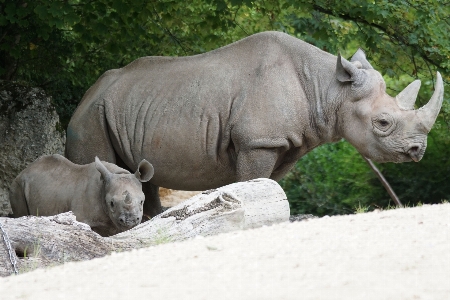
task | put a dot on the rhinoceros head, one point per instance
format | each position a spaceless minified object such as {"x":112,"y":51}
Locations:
{"x":123,"y":194}
{"x":381,"y":127}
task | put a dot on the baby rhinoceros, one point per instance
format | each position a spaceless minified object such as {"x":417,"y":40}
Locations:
{"x":106,"y":197}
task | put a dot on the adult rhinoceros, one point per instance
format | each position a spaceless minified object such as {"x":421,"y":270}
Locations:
{"x":248,"y":110}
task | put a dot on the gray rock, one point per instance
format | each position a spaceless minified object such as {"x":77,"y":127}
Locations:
{"x":29,"y":128}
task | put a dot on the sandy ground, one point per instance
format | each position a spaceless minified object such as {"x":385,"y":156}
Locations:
{"x":395,"y":254}
{"x":171,"y":198}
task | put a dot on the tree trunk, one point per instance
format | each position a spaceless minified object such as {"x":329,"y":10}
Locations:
{"x":45,"y":241}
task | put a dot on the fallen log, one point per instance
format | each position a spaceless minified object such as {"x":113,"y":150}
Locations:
{"x":45,"y":241}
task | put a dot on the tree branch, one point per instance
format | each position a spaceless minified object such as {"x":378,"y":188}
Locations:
{"x":383,"y":181}
{"x":400,"y":38}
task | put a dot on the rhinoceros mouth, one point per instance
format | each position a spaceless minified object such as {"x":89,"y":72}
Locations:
{"x":415,"y":151}
{"x":125,"y":227}
{"x":395,"y":157}
{"x":125,"y":223}
{"x":406,"y":157}
{"x":414,"y":156}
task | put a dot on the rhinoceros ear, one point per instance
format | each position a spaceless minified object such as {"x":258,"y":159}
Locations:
{"x":145,"y":171}
{"x":360,"y":56}
{"x":347,"y":71}
{"x":105,"y":173}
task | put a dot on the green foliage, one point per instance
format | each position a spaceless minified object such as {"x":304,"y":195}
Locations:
{"x":61,"y":43}
{"x":65,"y":45}
{"x":361,"y":209}
{"x":400,"y":37}
{"x":332,"y":179}
{"x":426,"y":181}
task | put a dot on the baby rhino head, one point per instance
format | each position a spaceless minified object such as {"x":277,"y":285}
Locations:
{"x":123,"y":194}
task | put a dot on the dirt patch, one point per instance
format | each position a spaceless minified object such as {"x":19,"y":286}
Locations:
{"x":171,"y":198}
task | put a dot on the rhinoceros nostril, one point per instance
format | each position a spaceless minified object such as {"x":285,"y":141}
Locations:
{"x":121,"y":220}
{"x":414,"y":152}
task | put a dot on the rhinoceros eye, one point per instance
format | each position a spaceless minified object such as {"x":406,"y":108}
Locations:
{"x":383,"y":124}
{"x":112,"y":204}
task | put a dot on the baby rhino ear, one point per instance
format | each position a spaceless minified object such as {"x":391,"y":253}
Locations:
{"x":102,"y":169}
{"x":145,"y":171}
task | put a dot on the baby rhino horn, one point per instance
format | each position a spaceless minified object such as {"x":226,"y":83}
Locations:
{"x":128,"y":198}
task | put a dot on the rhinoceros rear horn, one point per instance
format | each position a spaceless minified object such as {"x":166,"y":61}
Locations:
{"x":406,"y":98}
{"x":429,"y":112}
{"x":102,"y":169}
{"x":145,"y":171}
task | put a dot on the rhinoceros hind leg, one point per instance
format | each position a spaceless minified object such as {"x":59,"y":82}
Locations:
{"x":18,"y":201}
{"x":152,"y":204}
{"x":87,"y":136}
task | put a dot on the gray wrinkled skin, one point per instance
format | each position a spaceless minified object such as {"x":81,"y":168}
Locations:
{"x":244,"y":111}
{"x":107,"y":198}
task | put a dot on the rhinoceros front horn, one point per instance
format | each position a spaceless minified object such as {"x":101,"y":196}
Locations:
{"x":429,"y":112}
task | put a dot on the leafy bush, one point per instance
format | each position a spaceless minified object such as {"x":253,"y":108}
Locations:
{"x":426,"y":181}
{"x":332,"y":179}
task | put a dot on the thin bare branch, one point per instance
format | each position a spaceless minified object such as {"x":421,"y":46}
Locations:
{"x":383,"y":181}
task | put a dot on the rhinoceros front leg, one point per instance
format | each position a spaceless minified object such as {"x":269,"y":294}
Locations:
{"x":152,"y":204}
{"x":256,"y":163}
